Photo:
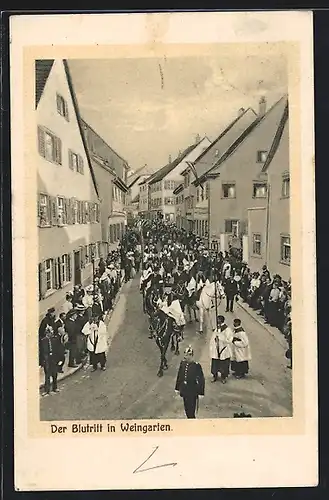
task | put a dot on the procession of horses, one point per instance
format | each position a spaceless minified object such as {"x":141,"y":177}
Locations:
{"x":180,"y":279}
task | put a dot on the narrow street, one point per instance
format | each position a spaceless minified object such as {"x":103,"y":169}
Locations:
{"x":130,"y":388}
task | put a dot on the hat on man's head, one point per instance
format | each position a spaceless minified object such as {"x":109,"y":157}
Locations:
{"x":51,"y":310}
{"x":78,"y":307}
{"x":89,"y":288}
{"x":189,"y":350}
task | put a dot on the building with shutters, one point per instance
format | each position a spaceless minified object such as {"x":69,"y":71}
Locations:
{"x":163,"y":183}
{"x":179,"y":205}
{"x":237,"y":181}
{"x":197,"y":197}
{"x":269,"y":225}
{"x":68,"y":206}
{"x":110,"y":171}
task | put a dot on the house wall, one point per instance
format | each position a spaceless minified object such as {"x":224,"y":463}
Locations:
{"x":242,"y":168}
{"x":104,"y":180}
{"x":279,"y":221}
{"x":60,"y":180}
{"x":98,"y":146}
{"x":143,"y":198}
{"x":257,"y":226}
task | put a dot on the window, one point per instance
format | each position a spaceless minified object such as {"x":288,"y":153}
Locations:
{"x":261,"y":156}
{"x":50,"y":146}
{"x":44,"y":210}
{"x":232,"y":227}
{"x":73,"y":161}
{"x":259,"y":190}
{"x":197,"y":194}
{"x":286,"y":187}
{"x":86,"y":212}
{"x":285,"y":249}
{"x":75,"y":210}
{"x":256,"y":244}
{"x":228,"y":190}
{"x":207,"y":191}
{"x":64,"y":269}
{"x":61,"y":213}
{"x":206,"y":227}
{"x":169,"y":200}
{"x":49,"y":274}
{"x":62,"y":108}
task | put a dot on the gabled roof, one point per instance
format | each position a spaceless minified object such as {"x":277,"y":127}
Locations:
{"x":277,"y":138}
{"x":226,"y":138}
{"x":85,"y":124}
{"x":178,"y":189}
{"x":78,"y":116}
{"x":245,"y":133}
{"x":120,"y":184}
{"x":164,"y":171}
{"x":133,"y":178}
{"x":42,"y":70}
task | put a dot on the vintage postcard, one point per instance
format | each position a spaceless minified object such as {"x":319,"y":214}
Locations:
{"x":164,"y":250}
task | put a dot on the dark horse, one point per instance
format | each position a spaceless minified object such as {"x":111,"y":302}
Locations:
{"x":166,"y":330}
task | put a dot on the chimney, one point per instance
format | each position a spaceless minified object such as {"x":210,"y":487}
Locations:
{"x":241,"y":111}
{"x":197,"y":138}
{"x":169,"y":159}
{"x":262,"y":106}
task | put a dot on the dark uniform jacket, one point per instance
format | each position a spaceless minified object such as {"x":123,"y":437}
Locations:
{"x":51,"y":351}
{"x":190,"y":379}
{"x":231,"y":289}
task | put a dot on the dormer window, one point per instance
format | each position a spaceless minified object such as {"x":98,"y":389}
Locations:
{"x":261,"y":156}
{"x":62,"y":107}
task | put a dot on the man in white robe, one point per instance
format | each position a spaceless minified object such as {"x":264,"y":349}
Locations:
{"x":241,"y":353}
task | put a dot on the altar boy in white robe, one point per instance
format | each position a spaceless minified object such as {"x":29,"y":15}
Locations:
{"x":241,"y":354}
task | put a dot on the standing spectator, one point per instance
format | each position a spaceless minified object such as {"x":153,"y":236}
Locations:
{"x":220,"y":350}
{"x":50,"y":355}
{"x":68,"y":305}
{"x":80,"y":322}
{"x":241,"y":354}
{"x":96,"y":333}
{"x":72,"y":332}
{"x":78,"y":294}
{"x":62,"y":335}
{"x":101,"y":266}
{"x":231,"y":290}
{"x":190,"y":382}
{"x":49,"y":319}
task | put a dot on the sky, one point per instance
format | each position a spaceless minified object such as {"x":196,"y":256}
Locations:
{"x":151,"y":107}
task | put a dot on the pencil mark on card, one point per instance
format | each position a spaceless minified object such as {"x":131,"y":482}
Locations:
{"x":139,"y":468}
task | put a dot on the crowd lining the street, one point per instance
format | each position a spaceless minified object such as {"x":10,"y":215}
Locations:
{"x":164,"y":254}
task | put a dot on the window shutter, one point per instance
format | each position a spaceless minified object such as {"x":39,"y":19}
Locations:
{"x":243,"y":229}
{"x":42,"y":281}
{"x":69,"y":264}
{"x":58,"y":103}
{"x":55,"y":273}
{"x":41,"y":142}
{"x":58,"y":150}
{"x":70,"y":160}
{"x":90,"y":211}
{"x":80,"y":163}
{"x":228,"y":226}
{"x":66,"y":111}
{"x":53,"y":210}
{"x":82,"y":257}
{"x":39,"y":211}
{"x":59,"y":280}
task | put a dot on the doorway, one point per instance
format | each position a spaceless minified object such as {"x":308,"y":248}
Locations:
{"x":77,"y":268}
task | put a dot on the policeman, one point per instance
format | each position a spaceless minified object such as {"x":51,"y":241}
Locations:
{"x":190,"y":383}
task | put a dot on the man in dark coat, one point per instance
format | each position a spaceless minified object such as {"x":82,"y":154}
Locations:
{"x":72,"y":330}
{"x":50,"y":354}
{"x":49,"y":319}
{"x":190,"y":382}
{"x":231,"y":290}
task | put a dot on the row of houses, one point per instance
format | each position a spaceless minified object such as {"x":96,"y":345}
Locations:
{"x":82,"y":187}
{"x":233,"y":191}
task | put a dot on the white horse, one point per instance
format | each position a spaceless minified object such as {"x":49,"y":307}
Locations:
{"x":207,"y":304}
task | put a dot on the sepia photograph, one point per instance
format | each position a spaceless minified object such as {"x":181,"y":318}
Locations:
{"x":164,"y":236}
{"x":164,"y":283}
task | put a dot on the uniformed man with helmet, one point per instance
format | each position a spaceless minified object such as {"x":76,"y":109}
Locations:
{"x":190,"y":382}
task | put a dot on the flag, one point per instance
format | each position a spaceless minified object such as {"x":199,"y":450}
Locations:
{"x":192,"y":167}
